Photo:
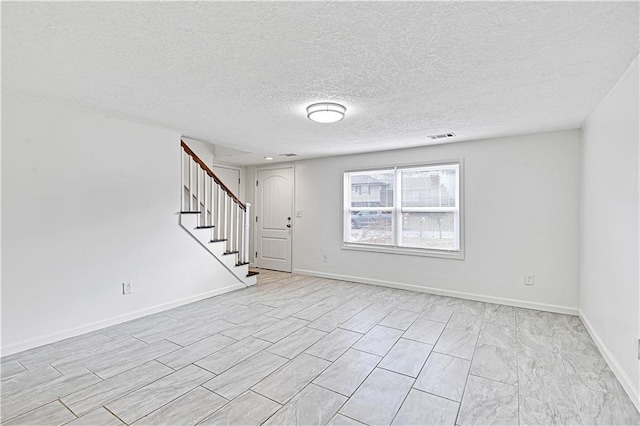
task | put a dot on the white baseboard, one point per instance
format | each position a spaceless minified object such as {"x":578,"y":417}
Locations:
{"x":442,"y":292}
{"x":94,"y":326}
{"x":622,"y":377}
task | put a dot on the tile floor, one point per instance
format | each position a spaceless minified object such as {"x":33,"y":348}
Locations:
{"x":310,"y":351}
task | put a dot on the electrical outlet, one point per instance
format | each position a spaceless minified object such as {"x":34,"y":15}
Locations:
{"x":127,"y":287}
{"x":528,"y":280}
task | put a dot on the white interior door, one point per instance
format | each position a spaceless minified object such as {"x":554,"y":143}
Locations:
{"x":274,"y":210}
{"x":230,"y":177}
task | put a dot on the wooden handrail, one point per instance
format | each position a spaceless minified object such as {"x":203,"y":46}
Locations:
{"x":210,"y":173}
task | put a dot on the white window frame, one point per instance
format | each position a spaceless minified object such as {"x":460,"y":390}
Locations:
{"x":397,"y":210}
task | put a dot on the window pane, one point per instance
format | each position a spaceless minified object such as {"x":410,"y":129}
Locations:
{"x":429,"y":186}
{"x":429,"y":230}
{"x":371,"y":189}
{"x":429,"y":198}
{"x":371,"y":227}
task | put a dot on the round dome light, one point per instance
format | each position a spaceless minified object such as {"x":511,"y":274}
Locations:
{"x":325,"y":112}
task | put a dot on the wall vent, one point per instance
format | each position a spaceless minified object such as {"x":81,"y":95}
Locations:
{"x":442,"y":136}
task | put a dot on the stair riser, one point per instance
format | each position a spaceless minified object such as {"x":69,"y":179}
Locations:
{"x":204,"y":236}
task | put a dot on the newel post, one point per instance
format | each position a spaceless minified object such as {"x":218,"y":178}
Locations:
{"x":247,"y":224}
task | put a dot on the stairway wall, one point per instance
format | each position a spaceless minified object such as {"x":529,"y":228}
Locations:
{"x":610,"y":230}
{"x":87,"y":203}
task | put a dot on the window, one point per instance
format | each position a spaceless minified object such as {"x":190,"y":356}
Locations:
{"x":408,"y":209}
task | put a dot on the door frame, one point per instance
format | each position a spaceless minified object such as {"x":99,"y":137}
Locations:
{"x":241,"y":174}
{"x":254,"y":208}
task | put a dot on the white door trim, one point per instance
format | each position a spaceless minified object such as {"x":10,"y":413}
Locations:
{"x":226,"y":166}
{"x":254,"y":213}
{"x":241,"y":173}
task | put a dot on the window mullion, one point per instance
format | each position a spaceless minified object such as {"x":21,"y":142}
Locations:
{"x":346,"y":215}
{"x":397,"y":203}
{"x":456,"y":215}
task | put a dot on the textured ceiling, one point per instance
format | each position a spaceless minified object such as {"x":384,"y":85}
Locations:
{"x":240,"y":74}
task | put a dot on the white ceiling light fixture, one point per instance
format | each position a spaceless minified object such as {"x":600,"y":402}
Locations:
{"x":268,"y":158}
{"x":325,"y":112}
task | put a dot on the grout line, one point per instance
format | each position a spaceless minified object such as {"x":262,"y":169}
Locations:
{"x":338,"y":413}
{"x":466,"y":378}
{"x":439,"y":396}
{"x":270,"y":399}
{"x":464,"y":390}
{"x":130,"y":391}
{"x":172,"y":400}
{"x":217,"y":394}
{"x":113,"y":414}
{"x":21,"y":365}
{"x":266,"y":341}
{"x":452,"y":356}
{"x":331,"y":390}
{"x":61,"y":373}
{"x":20,"y":414}
{"x":493,"y":380}
{"x":65,"y":406}
{"x":403,"y":400}
{"x":214,"y":392}
{"x":396,"y":372}
{"x":168,"y":366}
{"x":140,"y":340}
{"x":217,"y":409}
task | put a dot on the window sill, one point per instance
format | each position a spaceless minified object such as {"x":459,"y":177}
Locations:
{"x":442,"y":254}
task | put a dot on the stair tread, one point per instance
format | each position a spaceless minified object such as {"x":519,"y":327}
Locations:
{"x":190,"y":212}
{"x":252,"y":273}
{"x":230,"y":252}
{"x":218,"y":241}
{"x":242,"y":263}
{"x":205,"y":227}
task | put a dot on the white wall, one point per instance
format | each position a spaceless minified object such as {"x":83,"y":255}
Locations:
{"x":609,"y":276}
{"x":89,"y":202}
{"x":521,"y":217}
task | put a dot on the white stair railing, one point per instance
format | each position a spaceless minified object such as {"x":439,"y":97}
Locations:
{"x":219,"y":209}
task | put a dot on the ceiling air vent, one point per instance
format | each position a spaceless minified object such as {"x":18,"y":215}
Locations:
{"x":290,"y":154}
{"x":442,"y":136}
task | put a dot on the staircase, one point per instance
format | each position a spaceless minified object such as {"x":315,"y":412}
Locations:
{"x":214,"y":216}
